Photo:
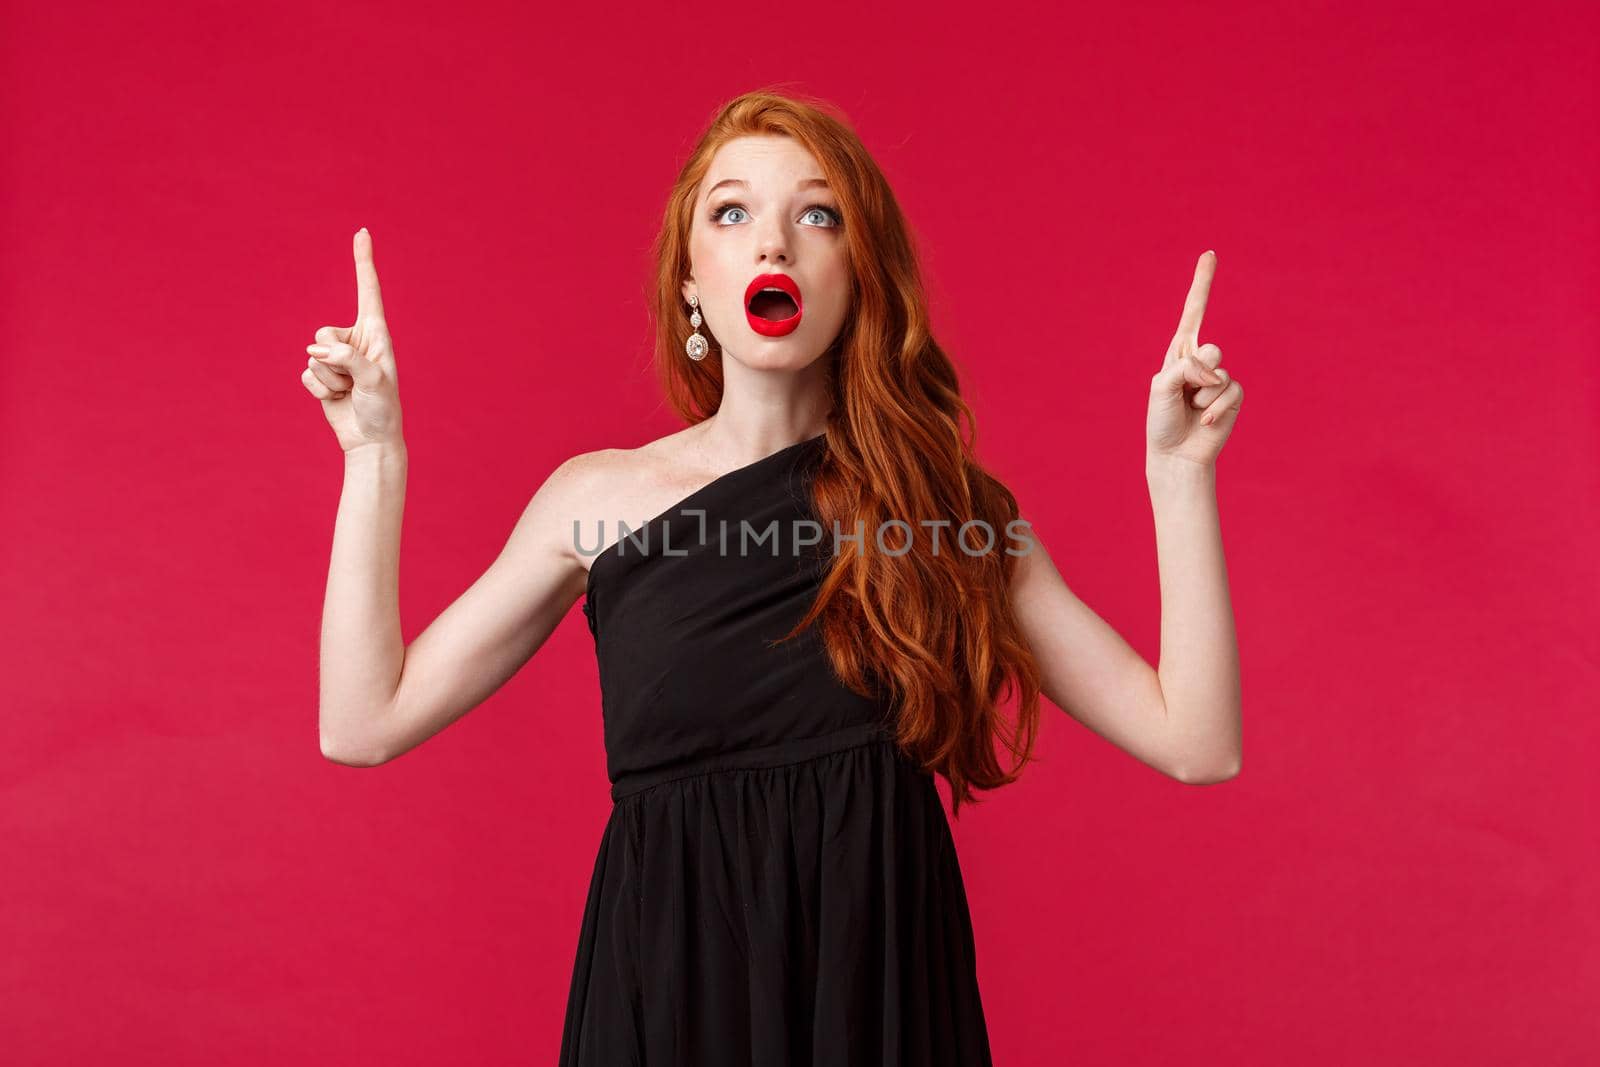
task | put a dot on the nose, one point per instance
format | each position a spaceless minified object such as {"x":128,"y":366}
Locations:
{"x":772,"y":243}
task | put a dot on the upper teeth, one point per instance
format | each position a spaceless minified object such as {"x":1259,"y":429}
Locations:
{"x":774,"y":289}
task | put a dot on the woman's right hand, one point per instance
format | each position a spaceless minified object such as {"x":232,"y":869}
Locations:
{"x":351,"y":369}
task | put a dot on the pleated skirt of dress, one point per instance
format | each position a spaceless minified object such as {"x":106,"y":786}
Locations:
{"x":810,"y":914}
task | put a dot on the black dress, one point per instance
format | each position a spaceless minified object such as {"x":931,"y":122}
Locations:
{"x":776,"y":884}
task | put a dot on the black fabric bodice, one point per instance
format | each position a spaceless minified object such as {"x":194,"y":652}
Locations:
{"x":686,"y":611}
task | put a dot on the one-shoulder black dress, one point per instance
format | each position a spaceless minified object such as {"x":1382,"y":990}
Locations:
{"x":777,"y":884}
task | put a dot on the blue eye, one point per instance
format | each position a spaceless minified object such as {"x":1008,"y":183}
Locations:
{"x":829,"y":212}
{"x":835,"y":219}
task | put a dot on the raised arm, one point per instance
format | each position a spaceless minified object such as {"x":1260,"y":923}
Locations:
{"x":1182,"y":717}
{"x":377,"y":696}
{"x":471,"y":648}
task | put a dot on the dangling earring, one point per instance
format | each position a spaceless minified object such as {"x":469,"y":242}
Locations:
{"x":696,"y":346}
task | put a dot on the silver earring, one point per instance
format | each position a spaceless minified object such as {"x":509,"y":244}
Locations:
{"x":696,"y":346}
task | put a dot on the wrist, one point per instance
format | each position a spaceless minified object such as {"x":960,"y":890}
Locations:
{"x":1163,"y":470}
{"x":381,"y":454}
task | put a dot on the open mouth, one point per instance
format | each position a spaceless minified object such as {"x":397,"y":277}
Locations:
{"x":773,"y":305}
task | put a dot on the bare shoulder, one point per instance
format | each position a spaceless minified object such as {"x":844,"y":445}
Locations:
{"x":586,"y":496}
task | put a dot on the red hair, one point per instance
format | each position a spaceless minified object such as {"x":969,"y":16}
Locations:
{"x":934,"y":630}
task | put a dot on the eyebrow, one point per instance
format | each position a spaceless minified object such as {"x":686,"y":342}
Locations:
{"x":807,"y":184}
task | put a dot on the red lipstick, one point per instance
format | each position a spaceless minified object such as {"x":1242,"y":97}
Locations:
{"x":773,"y":327}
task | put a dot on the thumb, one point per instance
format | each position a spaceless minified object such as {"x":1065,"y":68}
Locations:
{"x":1185,"y":370}
{"x":342,"y":357}
{"x":327,"y":335}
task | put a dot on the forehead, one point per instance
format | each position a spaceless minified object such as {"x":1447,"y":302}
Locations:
{"x":760,"y":159}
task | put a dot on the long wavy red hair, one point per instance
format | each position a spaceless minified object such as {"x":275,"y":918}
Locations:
{"x":935,"y":632}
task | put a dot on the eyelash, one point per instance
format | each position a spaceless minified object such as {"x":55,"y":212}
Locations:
{"x":838,"y":220}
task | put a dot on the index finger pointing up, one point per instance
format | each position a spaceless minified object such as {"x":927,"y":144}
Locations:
{"x":369,"y":302}
{"x":1194,"y":308}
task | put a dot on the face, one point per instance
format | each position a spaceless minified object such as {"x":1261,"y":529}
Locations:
{"x":763,"y":209}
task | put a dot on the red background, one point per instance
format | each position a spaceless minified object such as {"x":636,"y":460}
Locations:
{"x":1403,"y":203}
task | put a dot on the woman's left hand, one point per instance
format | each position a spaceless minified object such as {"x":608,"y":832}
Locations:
{"x":1193,"y":401}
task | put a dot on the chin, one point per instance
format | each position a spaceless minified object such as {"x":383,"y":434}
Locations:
{"x":776,"y":353}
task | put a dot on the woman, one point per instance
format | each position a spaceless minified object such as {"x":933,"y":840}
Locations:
{"x":777,"y":882}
